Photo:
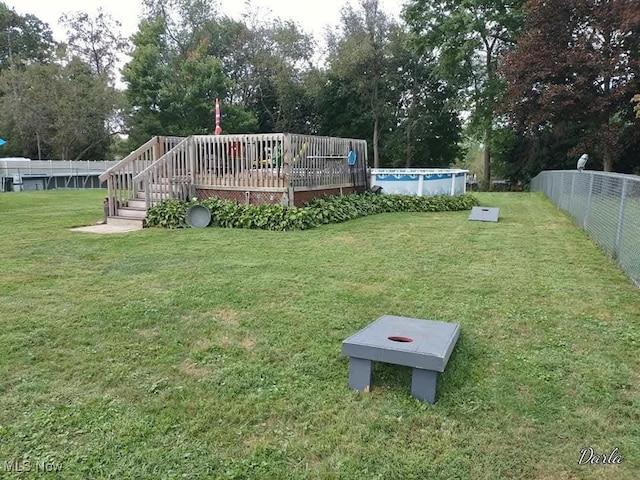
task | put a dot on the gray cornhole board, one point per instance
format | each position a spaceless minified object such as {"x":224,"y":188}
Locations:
{"x":427,"y":353}
{"x":484,"y":214}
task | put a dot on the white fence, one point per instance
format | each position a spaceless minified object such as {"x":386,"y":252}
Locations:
{"x":46,"y":174}
{"x":53,"y":167}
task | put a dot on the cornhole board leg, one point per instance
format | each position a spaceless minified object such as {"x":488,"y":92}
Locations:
{"x":423,"y":385}
{"x":359,"y":374}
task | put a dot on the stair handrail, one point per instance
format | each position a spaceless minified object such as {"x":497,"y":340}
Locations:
{"x":178,"y":175}
{"x":119,"y":186}
{"x":129,"y":158}
{"x":119,"y":178}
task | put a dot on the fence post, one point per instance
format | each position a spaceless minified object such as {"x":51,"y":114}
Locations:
{"x":586,"y":213}
{"x":623,"y":198}
{"x":573,"y":184}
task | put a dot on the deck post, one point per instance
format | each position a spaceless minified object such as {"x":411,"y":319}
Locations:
{"x":159,"y":150}
{"x":287,"y":163}
{"x":111,"y":195}
{"x":191,"y":175}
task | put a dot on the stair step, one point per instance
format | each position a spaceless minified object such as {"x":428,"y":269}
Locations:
{"x":164,"y":184}
{"x":124,"y":222}
{"x":128,"y":212}
{"x":154,"y":194}
{"x":137,"y":203}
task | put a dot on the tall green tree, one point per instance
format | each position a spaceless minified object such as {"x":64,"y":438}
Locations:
{"x":57,"y":111}
{"x":97,"y":40}
{"x":268,"y":63}
{"x":424,"y":128}
{"x":357,"y":53}
{"x":23,"y":38}
{"x":415,"y":121}
{"x":576,"y":68}
{"x":172,"y":93}
{"x":186,"y":54}
{"x":468,"y":37}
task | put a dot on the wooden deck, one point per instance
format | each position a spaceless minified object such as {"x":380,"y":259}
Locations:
{"x":168,"y":167}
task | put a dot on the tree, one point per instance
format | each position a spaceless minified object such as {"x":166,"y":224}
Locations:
{"x":468,"y":38}
{"x":23,"y":93}
{"x":57,"y":111}
{"x":96,"y":40}
{"x":268,"y":65}
{"x":357,"y":54}
{"x":576,"y":63}
{"x":424,"y":129}
{"x":186,"y":55}
{"x":172,"y":93}
{"x":23,"y":39}
{"x":82,"y":104}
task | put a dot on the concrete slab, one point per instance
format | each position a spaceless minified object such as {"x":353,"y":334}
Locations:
{"x":484,"y":214}
{"x":106,"y":228}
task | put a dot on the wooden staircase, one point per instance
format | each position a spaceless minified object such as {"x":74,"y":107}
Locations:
{"x":133,"y":213}
{"x":139,"y":181}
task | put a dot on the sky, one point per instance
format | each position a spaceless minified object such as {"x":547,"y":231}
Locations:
{"x":312,"y":15}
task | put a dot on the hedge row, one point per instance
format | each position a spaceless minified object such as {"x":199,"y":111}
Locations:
{"x":227,"y":213}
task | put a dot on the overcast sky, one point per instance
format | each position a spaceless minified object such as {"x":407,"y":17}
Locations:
{"x":312,"y":15}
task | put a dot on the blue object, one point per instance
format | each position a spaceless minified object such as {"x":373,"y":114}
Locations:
{"x":2,"y":142}
{"x":352,"y":157}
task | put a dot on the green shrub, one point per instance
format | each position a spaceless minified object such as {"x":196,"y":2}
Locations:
{"x":169,"y":214}
{"x":229,"y":214}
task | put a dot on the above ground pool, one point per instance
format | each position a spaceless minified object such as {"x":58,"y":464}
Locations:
{"x":420,"y":181}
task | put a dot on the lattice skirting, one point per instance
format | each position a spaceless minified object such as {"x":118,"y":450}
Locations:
{"x":257,"y":197}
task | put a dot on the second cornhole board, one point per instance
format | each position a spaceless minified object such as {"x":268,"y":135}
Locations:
{"x":484,"y":214}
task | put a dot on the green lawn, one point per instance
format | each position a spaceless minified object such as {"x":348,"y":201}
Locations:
{"x":216,"y":353}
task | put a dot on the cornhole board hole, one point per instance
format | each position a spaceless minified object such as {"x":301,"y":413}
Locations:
{"x":484,"y":214}
{"x":423,"y":345}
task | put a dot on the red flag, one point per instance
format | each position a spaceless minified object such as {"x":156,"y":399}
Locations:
{"x":218,"y":130}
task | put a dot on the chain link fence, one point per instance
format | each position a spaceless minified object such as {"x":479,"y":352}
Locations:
{"x":606,"y":205}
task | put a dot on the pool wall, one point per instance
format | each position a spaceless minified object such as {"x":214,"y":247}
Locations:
{"x":420,"y":181}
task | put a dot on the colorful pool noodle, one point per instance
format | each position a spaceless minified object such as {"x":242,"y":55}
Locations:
{"x":218,"y":129}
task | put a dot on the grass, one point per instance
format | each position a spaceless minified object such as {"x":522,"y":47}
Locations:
{"x":216,"y":353}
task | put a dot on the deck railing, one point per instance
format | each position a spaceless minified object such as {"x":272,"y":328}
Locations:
{"x":239,"y":161}
{"x":323,"y":161}
{"x":120,"y":185}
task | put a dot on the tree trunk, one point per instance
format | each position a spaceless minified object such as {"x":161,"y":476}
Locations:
{"x":607,"y":161}
{"x":489,"y":125}
{"x":376,"y":118}
{"x":487,"y":158}
{"x":376,"y":158}
{"x":39,"y":149}
{"x":409,"y":149}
